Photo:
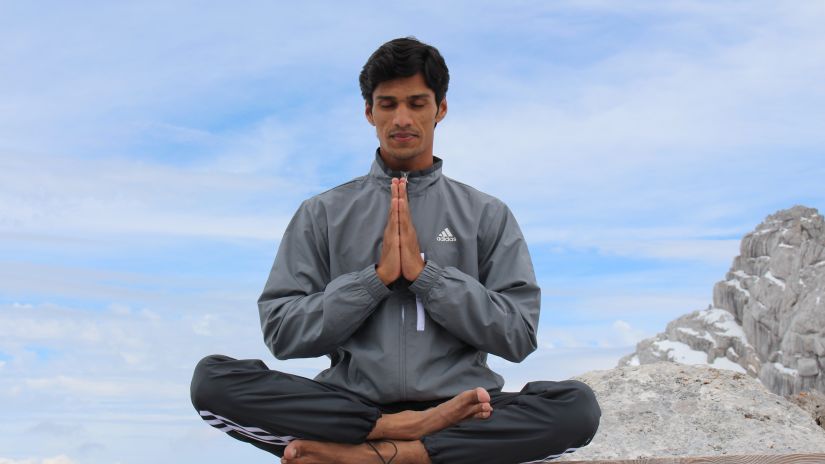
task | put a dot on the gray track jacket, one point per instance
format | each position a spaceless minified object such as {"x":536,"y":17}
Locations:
{"x":416,"y":341}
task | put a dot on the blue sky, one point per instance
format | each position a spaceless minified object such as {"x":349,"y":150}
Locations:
{"x":151,"y":154}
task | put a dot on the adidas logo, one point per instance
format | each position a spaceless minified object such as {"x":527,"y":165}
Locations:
{"x":446,"y":236}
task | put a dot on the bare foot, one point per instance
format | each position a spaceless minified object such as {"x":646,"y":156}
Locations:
{"x":412,"y":425}
{"x":317,"y":452}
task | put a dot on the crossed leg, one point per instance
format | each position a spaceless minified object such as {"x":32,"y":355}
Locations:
{"x":404,"y":429}
{"x":308,"y":422}
{"x":412,"y":425}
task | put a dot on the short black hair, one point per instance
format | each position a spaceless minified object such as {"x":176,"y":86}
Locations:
{"x":405,"y":57}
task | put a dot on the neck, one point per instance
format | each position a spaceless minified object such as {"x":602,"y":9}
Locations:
{"x":416,"y":163}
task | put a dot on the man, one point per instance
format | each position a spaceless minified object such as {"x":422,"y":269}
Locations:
{"x":406,"y":279}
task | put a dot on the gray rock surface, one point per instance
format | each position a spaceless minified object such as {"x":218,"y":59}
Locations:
{"x":669,"y":409}
{"x":710,"y":336}
{"x":813,"y":403}
{"x":775,"y":293}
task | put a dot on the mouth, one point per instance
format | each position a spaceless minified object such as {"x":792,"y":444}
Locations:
{"x":402,"y":136}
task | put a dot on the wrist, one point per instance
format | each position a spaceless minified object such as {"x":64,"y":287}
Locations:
{"x":419,"y":267}
{"x":428,"y":277}
{"x":382,"y":276}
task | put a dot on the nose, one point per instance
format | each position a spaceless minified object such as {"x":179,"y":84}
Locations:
{"x":402,"y":116}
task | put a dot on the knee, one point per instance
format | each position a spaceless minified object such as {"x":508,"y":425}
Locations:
{"x":585,"y":410}
{"x":204,"y":390}
{"x":572,"y":410}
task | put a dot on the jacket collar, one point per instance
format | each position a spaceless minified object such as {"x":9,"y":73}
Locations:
{"x":417,"y":180}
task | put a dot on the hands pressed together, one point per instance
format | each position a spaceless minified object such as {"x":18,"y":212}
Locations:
{"x":400,"y":253}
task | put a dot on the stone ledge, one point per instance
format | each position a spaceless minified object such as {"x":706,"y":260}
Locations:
{"x":808,"y":458}
{"x":670,"y":410}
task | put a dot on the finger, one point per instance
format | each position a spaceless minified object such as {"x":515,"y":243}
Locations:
{"x":402,"y":188}
{"x":409,"y":240}
{"x":392,"y":213}
{"x":405,"y":218}
{"x":394,"y":216}
{"x":402,"y":193}
{"x":403,"y":212}
{"x":393,"y":205}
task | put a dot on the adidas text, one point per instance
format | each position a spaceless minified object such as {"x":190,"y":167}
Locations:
{"x":446,"y":236}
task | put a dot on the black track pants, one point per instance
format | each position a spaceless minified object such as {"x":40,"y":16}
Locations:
{"x":269,"y":408}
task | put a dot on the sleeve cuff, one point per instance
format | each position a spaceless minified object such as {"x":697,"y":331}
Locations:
{"x":426,"y":279}
{"x":369,"y":279}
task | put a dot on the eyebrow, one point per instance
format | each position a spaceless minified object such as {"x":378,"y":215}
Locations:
{"x":411,"y":97}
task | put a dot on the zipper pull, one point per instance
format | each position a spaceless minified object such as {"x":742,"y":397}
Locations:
{"x":405,"y":174}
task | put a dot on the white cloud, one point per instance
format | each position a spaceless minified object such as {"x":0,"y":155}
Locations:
{"x":666,"y":243}
{"x":48,"y":194}
{"x":61,"y":459}
{"x":150,"y":288}
{"x":653,"y":129}
{"x":120,"y":309}
{"x":58,"y":460}
{"x":49,"y":324}
{"x":141,"y":356}
{"x":132,"y":358}
{"x":68,"y":385}
{"x":50,"y":428}
{"x":589,"y":335}
{"x":557,"y":364}
{"x":650,"y":303}
{"x":203,"y":326}
{"x":187,"y":61}
{"x":623,"y":128}
{"x":713,"y":251}
{"x":626,"y":333}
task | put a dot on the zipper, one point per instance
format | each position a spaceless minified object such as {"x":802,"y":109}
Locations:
{"x":402,"y":358}
{"x":406,"y":176}
{"x":419,"y":308}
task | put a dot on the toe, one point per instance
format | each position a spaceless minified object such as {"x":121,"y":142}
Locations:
{"x":483,"y":396}
{"x":291,"y":451}
{"x":481,"y":407}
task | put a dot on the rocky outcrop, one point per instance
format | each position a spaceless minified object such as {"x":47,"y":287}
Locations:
{"x":668,"y":409}
{"x":813,"y":403}
{"x":774,"y":297}
{"x":710,"y":336}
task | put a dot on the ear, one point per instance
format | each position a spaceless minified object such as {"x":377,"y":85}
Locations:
{"x":368,"y":112}
{"x":442,"y":110}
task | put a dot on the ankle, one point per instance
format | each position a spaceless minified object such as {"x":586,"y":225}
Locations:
{"x":380,"y":449}
{"x":405,"y":425}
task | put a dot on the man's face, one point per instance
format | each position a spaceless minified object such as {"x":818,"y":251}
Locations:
{"x":404,"y":114}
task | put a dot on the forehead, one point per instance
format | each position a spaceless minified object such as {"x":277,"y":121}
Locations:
{"x":403,"y":87}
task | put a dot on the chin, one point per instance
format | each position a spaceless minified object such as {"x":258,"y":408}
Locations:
{"x":403,"y":154}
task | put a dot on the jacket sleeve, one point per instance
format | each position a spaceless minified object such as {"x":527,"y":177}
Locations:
{"x":303,"y":312}
{"x":499,"y":312}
